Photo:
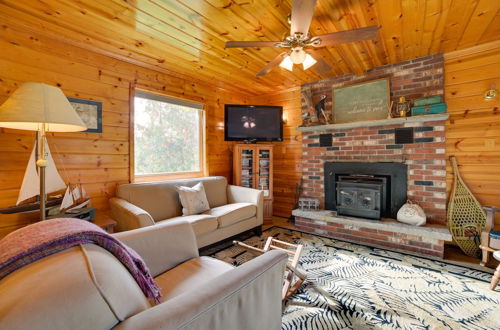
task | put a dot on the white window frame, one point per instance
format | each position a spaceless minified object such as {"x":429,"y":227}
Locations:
{"x":166,"y":176}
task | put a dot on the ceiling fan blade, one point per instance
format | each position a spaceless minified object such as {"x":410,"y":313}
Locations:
{"x":244,"y":44}
{"x":271,"y":65}
{"x":302,"y":14}
{"x":366,"y":33}
{"x":321,"y":66}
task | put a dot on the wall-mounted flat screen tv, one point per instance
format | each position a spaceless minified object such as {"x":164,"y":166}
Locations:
{"x":253,"y":123}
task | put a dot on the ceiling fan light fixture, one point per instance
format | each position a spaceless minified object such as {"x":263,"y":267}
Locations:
{"x":287,"y":63}
{"x":309,"y":61}
{"x":298,"y":55}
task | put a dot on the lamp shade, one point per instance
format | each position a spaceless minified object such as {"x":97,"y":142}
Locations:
{"x":33,"y":104}
{"x":287,"y":63}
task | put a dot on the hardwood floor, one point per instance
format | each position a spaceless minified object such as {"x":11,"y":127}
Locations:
{"x":453,"y":254}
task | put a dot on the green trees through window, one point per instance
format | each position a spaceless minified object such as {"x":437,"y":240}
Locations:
{"x":166,"y":137}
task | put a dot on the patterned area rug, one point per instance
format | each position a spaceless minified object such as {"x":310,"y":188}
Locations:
{"x":352,"y":286}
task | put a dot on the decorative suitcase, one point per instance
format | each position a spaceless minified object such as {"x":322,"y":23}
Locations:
{"x":428,"y":100}
{"x":429,"y":109}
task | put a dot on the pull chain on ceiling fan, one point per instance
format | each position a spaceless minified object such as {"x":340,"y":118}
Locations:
{"x":299,"y":39}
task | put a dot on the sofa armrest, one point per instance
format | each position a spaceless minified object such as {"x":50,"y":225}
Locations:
{"x":129,"y":216}
{"x":162,"y":246}
{"x":248,"y":297}
{"x":237,"y":194}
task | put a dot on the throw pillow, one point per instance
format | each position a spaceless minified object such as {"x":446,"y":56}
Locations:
{"x":193,"y":199}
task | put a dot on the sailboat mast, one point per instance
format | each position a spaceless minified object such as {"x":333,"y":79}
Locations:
{"x":42,"y":163}
{"x":37,"y":146}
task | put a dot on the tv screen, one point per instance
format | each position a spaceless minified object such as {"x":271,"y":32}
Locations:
{"x":253,"y":122}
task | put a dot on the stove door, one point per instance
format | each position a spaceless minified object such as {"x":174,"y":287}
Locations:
{"x":359,"y":200}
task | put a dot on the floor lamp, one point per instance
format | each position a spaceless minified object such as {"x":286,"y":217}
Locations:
{"x":43,"y":108}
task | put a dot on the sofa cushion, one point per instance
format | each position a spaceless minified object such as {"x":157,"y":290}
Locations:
{"x":193,"y":199}
{"x":161,"y":199}
{"x":216,"y":190}
{"x":192,"y":273}
{"x":117,"y":286}
{"x":232,"y":213}
{"x":201,"y":223}
{"x":85,"y":284}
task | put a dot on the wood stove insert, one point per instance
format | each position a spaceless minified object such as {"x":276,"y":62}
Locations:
{"x":381,"y":188}
{"x":361,"y":195}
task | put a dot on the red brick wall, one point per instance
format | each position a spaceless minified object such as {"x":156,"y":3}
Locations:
{"x":425,"y":158}
{"x":415,"y":78}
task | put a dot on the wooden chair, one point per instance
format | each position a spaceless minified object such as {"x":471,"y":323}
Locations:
{"x":490,"y":239}
{"x":496,"y":276}
{"x":294,"y":251}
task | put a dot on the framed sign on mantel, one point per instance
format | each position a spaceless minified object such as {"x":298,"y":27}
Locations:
{"x":361,"y":102}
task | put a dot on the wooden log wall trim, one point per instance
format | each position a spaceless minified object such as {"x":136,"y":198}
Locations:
{"x":473,"y":130}
{"x":99,"y":161}
{"x":288,"y":153}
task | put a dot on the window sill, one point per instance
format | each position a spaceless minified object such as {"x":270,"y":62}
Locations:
{"x":167,"y":176}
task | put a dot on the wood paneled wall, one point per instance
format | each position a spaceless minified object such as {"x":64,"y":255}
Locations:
{"x":473,"y":131}
{"x":287,"y":154}
{"x":99,"y":161}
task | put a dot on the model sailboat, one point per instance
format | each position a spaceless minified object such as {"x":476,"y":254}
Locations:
{"x":28,"y":199}
{"x":74,"y":199}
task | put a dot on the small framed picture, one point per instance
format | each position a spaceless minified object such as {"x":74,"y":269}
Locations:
{"x":90,"y":113}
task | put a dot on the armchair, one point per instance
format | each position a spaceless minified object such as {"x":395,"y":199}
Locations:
{"x":490,"y":239}
{"x":85,"y":287}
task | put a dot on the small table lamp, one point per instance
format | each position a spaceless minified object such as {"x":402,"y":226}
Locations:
{"x":43,"y":108}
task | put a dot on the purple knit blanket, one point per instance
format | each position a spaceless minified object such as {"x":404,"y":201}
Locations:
{"x":44,"y":238}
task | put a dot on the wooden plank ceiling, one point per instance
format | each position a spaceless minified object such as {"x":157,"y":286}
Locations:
{"x":186,"y":37}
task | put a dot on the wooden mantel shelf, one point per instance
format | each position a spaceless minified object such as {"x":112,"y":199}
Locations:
{"x":382,"y":122}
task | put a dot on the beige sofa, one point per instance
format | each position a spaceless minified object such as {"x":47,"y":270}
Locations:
{"x":85,"y":287}
{"x":233,"y":210}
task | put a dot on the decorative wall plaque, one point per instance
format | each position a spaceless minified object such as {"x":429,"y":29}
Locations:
{"x":361,"y":102}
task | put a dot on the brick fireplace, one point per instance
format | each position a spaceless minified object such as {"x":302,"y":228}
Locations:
{"x":414,"y":144}
{"x":374,"y":142}
{"x":425,"y":157}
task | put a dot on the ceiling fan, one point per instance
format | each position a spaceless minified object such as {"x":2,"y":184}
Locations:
{"x":299,"y":39}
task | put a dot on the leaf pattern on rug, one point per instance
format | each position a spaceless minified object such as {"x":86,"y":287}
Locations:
{"x":352,"y":286}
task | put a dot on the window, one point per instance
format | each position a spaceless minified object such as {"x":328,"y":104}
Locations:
{"x":168,"y":137}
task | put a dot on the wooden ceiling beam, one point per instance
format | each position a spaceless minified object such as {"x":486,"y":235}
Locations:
{"x":483,"y":15}
{"x":333,"y":21}
{"x":144,"y":49}
{"x":42,"y":30}
{"x":458,"y":17}
{"x":185,"y":39}
{"x":367,"y":17}
{"x":205,"y":11}
{"x":159,"y":25}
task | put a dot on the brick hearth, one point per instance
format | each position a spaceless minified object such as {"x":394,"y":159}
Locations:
{"x":427,"y":240}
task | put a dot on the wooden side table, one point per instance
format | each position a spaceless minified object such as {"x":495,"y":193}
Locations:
{"x":106,"y":223}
